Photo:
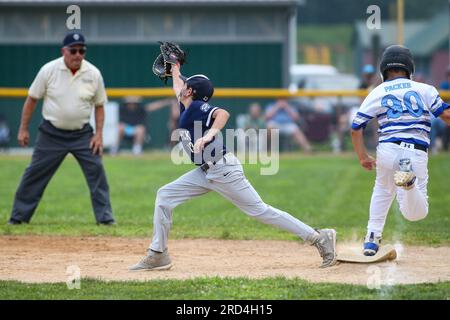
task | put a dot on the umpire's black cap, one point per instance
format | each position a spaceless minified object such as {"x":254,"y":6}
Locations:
{"x":202,"y":87}
{"x":73,"y":38}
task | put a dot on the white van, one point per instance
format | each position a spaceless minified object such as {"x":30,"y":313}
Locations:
{"x":322,"y":77}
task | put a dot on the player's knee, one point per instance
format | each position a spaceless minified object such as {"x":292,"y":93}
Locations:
{"x":416,"y":215}
{"x":256,"y":210}
{"x":161,"y":196}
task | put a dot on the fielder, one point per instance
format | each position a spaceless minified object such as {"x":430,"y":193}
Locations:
{"x":218,"y":170}
{"x":403,"y":109}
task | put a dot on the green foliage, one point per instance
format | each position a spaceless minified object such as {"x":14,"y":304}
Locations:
{"x":344,"y":11}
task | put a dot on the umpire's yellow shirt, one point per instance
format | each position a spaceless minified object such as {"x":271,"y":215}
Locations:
{"x":68,"y":99}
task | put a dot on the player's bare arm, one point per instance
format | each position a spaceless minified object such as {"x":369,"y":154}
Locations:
{"x":97,"y":140}
{"x":220,"y":117}
{"x":177,"y":82}
{"x":446,"y":116}
{"x":366,"y":161}
{"x":23,"y":137}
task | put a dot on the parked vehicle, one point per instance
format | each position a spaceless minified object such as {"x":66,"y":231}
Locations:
{"x":322,"y":77}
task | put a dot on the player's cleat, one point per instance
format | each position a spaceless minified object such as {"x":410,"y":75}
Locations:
{"x":153,"y":261}
{"x":326,"y":244}
{"x":405,"y":177}
{"x":107,"y":223}
{"x":371,"y":244}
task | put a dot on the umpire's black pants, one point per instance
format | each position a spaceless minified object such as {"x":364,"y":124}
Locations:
{"x":52,"y":146}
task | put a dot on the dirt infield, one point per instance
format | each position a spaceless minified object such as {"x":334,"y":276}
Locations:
{"x":46,"y":259}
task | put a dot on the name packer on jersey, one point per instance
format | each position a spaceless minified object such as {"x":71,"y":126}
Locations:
{"x":402,"y":108}
{"x":194,"y":122}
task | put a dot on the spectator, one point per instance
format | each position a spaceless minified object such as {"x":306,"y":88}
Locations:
{"x":281,"y":115}
{"x":132,"y":121}
{"x":252,"y":120}
{"x":4,"y":132}
{"x":440,"y":132}
{"x":172,"y":123}
{"x":367,"y":77}
{"x":445,"y":85}
{"x":341,"y":127}
{"x":369,"y":81}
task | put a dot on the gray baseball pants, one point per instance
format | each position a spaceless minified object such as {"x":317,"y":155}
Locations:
{"x":52,"y":146}
{"x":228,"y":179}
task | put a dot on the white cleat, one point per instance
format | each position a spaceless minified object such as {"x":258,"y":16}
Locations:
{"x":405,"y":177}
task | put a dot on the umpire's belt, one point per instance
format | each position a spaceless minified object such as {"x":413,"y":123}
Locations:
{"x":416,"y":146}
{"x":209,"y":164}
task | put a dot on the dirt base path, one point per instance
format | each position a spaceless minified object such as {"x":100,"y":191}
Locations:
{"x":46,"y":259}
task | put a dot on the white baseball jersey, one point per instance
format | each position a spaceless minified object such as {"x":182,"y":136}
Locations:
{"x":403,"y":109}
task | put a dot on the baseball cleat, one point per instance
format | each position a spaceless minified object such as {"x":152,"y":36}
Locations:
{"x":405,"y":177}
{"x":371,"y":244}
{"x":326,"y":244}
{"x":153,"y":261}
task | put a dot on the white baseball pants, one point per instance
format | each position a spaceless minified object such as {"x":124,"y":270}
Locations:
{"x":414,"y":202}
{"x":228,"y":179}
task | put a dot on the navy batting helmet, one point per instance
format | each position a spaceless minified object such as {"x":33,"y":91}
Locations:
{"x":202,"y":87}
{"x":397,"y":56}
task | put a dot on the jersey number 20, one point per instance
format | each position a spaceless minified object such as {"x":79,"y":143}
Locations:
{"x":396,"y":107}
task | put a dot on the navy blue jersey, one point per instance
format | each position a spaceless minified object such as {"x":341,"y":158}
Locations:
{"x":193,"y":124}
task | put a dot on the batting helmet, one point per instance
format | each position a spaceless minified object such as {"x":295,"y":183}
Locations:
{"x":202,"y":87}
{"x":397,"y":56}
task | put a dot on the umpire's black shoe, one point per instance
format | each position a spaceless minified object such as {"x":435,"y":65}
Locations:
{"x":14,"y":221}
{"x":106,"y":223}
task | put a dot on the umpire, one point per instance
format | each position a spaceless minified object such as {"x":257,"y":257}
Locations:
{"x":71,"y":88}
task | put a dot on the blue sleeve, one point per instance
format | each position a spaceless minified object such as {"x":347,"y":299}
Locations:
{"x":437,"y":112}
{"x":204,"y":113}
{"x":360,"y":121}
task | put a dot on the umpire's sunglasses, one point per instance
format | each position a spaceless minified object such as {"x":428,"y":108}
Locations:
{"x":74,"y":51}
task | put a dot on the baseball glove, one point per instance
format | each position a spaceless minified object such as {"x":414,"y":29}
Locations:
{"x":171,"y":53}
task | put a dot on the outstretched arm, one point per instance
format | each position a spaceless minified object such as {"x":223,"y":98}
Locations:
{"x":220,"y":117}
{"x":366,"y":161}
{"x":177,"y":82}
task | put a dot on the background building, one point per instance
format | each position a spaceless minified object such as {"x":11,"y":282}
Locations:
{"x":238,"y":43}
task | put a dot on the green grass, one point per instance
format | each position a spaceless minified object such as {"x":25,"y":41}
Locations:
{"x":322,"y":191}
{"x":219,"y":289}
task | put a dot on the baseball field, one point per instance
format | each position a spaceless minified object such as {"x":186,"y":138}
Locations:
{"x":218,"y":252}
